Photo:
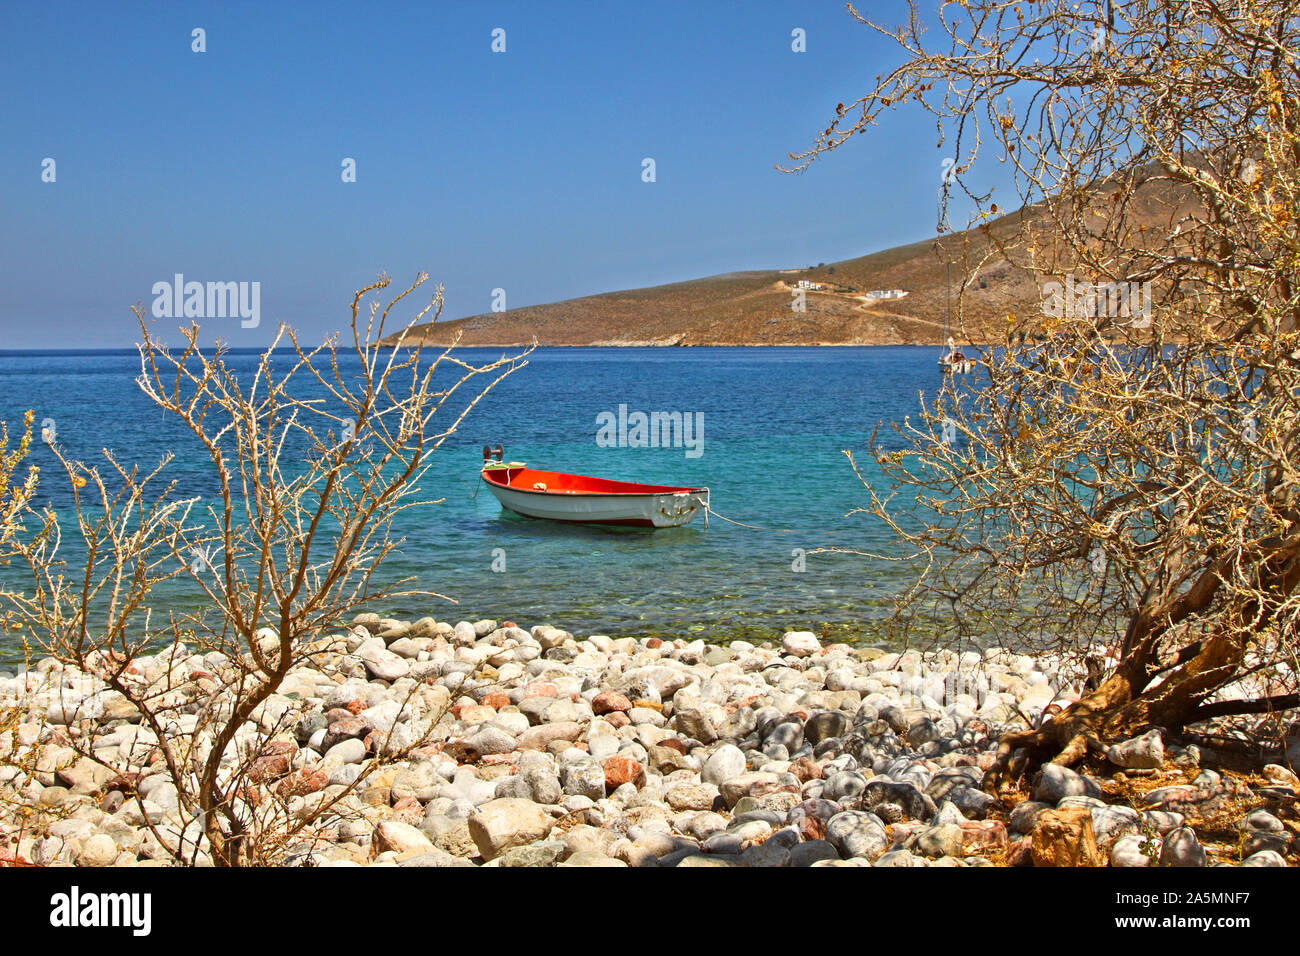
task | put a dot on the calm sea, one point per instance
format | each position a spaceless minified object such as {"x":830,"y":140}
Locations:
{"x":776,"y":422}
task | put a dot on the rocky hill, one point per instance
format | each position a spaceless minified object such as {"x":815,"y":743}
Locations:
{"x":755,"y":308}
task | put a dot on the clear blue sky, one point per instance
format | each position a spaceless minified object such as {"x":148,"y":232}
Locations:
{"x":519,"y":170}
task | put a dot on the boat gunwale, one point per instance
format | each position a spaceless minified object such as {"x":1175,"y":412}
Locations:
{"x":665,"y":490}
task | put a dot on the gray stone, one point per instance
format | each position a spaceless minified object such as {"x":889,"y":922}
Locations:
{"x":382,"y":663}
{"x":1023,"y":816}
{"x":846,"y":783}
{"x":434,"y":857}
{"x":1182,"y":848}
{"x":923,"y":730}
{"x":736,"y":787}
{"x":1110,"y":822}
{"x":856,"y":833}
{"x":1261,"y":831}
{"x":584,"y":779}
{"x":1264,"y":858}
{"x":350,"y":751}
{"x":695,"y":724}
{"x":1057,"y":782}
{"x":939,"y":841}
{"x":694,"y":859}
{"x":1160,"y":821}
{"x":915,"y":803}
{"x":539,"y":785}
{"x":767,"y":854}
{"x":974,"y":804}
{"x":947,"y":813}
{"x":824,"y":726}
{"x":950,"y":779}
{"x":1140,"y":753}
{"x":898,"y":858}
{"x":725,"y":763}
{"x":1134,"y":850}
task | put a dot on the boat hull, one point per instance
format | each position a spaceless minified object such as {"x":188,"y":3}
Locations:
{"x":583,"y":500}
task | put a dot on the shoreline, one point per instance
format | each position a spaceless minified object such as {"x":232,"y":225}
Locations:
{"x":533,"y":747}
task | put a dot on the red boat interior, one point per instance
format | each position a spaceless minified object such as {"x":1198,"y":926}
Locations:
{"x":559,"y":483}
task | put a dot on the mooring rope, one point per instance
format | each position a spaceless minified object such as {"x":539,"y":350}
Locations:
{"x":708,"y":510}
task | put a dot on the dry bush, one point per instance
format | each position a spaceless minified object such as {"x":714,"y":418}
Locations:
{"x":1118,"y":484}
{"x":309,"y":493}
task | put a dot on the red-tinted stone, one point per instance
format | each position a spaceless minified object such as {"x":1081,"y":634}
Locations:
{"x":542,"y":688}
{"x":805,"y":769}
{"x":617,"y":719}
{"x":674,"y":743}
{"x":268,"y":768}
{"x":763,"y":789}
{"x":1021,"y":853}
{"x":654,"y":643}
{"x":621,"y":769}
{"x":408,"y":810}
{"x":349,"y":727}
{"x":345,"y":729}
{"x":495,"y":701}
{"x":356,"y":706}
{"x":811,"y":828}
{"x":983,"y":836}
{"x":610,"y":702}
{"x":302,"y":782}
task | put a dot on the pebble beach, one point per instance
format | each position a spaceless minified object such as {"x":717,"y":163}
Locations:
{"x":535,"y":747}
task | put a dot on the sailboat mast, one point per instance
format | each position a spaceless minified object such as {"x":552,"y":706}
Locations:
{"x":947,"y":303}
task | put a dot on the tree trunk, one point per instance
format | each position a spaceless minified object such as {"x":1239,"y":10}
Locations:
{"x":1124,"y":705}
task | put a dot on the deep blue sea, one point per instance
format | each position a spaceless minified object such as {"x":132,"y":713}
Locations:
{"x":776,"y":422}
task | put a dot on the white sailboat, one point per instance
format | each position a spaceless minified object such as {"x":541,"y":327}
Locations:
{"x":955,"y":361}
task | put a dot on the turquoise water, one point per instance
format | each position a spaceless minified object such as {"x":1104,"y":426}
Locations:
{"x":776,"y":421}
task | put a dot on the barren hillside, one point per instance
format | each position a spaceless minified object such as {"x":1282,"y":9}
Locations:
{"x":755,"y":308}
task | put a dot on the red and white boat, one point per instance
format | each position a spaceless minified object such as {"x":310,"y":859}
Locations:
{"x":557,"y":496}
